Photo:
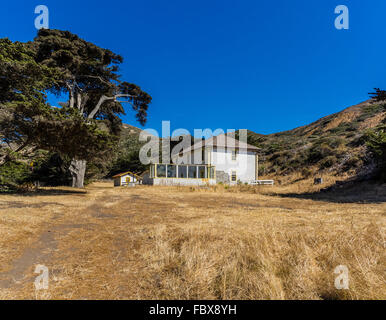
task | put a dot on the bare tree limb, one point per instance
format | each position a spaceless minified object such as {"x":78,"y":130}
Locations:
{"x":71,"y":92}
{"x":84,"y":101}
{"x":99,"y":104}
{"x":79,"y":101}
{"x":105,"y":98}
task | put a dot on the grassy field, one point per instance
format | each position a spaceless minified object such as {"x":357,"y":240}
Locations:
{"x":192,"y":243}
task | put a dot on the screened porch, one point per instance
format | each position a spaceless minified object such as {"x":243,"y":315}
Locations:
{"x":172,"y":171}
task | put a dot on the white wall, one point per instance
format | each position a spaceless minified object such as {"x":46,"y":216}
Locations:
{"x":245,"y":164}
{"x":132,"y":179}
{"x":221,"y":158}
{"x":182,"y":182}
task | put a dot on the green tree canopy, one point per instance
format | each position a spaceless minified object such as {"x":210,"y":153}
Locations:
{"x":23,"y":106}
{"x":85,"y":126}
{"x":378,"y":95}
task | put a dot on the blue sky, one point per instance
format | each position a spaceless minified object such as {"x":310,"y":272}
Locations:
{"x":266,"y":66}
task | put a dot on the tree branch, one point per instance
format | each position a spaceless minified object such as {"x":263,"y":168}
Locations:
{"x":97,"y":107}
{"x":97,"y":77}
{"x":84,"y":101}
{"x":79,"y":101}
{"x":71,"y":93}
{"x":105,"y":98}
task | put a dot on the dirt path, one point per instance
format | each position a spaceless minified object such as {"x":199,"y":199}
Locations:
{"x":42,"y":250}
{"x":66,"y":237}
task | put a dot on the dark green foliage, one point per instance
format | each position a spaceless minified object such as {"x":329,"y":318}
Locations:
{"x":95,"y":91}
{"x":345,"y":128}
{"x":13,"y":174}
{"x":327,"y":162}
{"x":52,"y":170}
{"x":87,"y":73}
{"x":23,"y":104}
{"x":275,"y":147}
{"x":127,"y":162}
{"x":376,"y":142}
{"x":370,"y":110}
{"x":60,"y":62}
{"x":318,"y":152}
{"x":326,"y":152}
{"x":378,"y":95}
{"x":126,"y":153}
{"x":351,"y":164}
{"x":46,"y":169}
{"x":376,"y":139}
{"x":281,"y":158}
{"x":68,"y":134}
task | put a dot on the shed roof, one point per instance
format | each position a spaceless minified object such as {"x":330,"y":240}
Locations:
{"x":125,"y":174}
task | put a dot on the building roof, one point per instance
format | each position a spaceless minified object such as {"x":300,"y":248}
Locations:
{"x":223,"y":141}
{"x":125,"y":174}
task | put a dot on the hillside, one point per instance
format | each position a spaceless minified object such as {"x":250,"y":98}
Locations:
{"x":334,"y":144}
{"x":126,"y":155}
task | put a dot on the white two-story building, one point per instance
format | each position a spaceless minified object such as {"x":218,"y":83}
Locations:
{"x":220,"y":159}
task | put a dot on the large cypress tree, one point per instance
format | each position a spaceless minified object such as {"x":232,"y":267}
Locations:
{"x":92,"y":82}
{"x":61,"y":63}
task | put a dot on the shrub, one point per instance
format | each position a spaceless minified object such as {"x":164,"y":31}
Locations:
{"x":352,"y":163}
{"x":318,"y":152}
{"x":334,"y":142}
{"x":327,"y":162}
{"x":52,"y":170}
{"x":376,"y":142}
{"x":274,"y":148}
{"x":13,"y":174}
{"x":306,"y":173}
{"x":281,"y":158}
{"x":345,"y":127}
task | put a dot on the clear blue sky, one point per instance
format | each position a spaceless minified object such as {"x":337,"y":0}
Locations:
{"x":266,"y":66}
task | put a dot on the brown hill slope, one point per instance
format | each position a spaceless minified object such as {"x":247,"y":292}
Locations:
{"x":333,"y":144}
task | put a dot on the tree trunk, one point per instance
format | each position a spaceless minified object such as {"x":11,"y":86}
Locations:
{"x":78,"y":171}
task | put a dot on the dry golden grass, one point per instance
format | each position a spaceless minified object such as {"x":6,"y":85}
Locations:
{"x":191,"y":243}
{"x":372,"y":122}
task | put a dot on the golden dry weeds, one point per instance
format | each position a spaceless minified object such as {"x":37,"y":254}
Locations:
{"x":190,"y":243}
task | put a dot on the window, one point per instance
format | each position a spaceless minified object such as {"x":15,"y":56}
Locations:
{"x":182,"y":171}
{"x":192,"y":172}
{"x":234,"y":155}
{"x":234,"y":176}
{"x":161,"y":170}
{"x":201,"y":172}
{"x":172,"y":171}
{"x":179,"y":171}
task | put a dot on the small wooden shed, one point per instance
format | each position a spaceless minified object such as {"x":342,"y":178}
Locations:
{"x":126,"y":179}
